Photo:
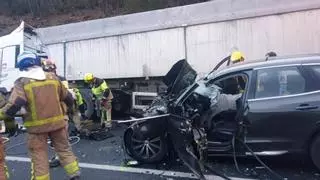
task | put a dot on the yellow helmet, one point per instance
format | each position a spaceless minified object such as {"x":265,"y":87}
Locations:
{"x":237,"y":56}
{"x":88,"y":77}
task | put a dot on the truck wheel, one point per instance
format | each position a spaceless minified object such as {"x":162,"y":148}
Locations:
{"x":121,"y":102}
{"x":87,"y":98}
{"x":314,"y":151}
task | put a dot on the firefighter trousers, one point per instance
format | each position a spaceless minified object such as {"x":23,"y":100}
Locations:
{"x":76,"y":118}
{"x":106,"y":114}
{"x":4,"y":174}
{"x":38,"y":149}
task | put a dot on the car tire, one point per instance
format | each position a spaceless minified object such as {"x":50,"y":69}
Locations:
{"x":314,"y":151}
{"x":87,"y":98}
{"x":134,"y":147}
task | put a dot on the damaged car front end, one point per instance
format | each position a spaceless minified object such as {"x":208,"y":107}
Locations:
{"x":182,"y":118}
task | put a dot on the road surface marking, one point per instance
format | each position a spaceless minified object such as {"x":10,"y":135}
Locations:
{"x":132,"y":170}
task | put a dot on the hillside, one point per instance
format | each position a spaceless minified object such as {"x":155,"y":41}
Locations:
{"x":43,"y":13}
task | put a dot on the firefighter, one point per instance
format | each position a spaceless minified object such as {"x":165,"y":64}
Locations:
{"x":49,"y":66}
{"x":237,"y":57}
{"x":103,"y":98}
{"x":80,"y":102}
{"x":41,"y":93}
{"x":4,"y":174}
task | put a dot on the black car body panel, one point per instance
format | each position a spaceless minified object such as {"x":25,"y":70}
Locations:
{"x":269,"y":124}
{"x":205,"y":119}
{"x":180,"y":76}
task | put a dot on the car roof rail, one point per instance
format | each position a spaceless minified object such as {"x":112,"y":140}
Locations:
{"x":289,"y":57}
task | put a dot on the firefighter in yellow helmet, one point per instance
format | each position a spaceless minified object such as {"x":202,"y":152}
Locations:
{"x":103,"y":96}
{"x":41,"y":94}
{"x":236,"y":57}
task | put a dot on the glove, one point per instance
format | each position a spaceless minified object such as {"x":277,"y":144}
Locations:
{"x":11,"y":127}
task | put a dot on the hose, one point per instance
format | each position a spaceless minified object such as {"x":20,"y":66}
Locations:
{"x":24,"y":153}
{"x":258,"y":159}
{"x":13,"y":146}
{"x":5,"y":140}
{"x":76,"y":138}
{"x":234,"y":156}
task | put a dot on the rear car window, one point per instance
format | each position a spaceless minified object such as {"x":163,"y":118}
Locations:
{"x":282,"y":81}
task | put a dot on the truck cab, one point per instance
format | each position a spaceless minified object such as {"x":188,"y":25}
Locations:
{"x":23,"y":38}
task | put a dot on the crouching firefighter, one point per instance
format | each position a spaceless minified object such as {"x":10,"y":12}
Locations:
{"x":41,"y":94}
{"x":103,"y":97}
{"x":78,"y":111}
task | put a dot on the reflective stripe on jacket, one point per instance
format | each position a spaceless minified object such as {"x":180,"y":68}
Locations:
{"x":43,"y":100}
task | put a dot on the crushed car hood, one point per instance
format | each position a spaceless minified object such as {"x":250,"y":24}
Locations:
{"x":190,"y":107}
{"x":180,"y":76}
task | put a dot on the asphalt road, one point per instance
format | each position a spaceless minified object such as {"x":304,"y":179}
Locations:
{"x":105,"y":159}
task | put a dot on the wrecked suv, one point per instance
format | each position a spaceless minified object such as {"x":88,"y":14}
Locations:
{"x":271,"y":107}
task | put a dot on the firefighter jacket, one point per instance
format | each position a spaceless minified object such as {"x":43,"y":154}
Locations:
{"x":2,"y":100}
{"x":101,"y":90}
{"x":43,"y":100}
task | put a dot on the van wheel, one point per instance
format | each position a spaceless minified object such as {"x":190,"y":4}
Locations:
{"x":314,"y":151}
{"x":87,"y":98}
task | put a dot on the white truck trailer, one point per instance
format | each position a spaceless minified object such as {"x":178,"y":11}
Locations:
{"x":132,"y":52}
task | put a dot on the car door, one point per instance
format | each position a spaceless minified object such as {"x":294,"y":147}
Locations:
{"x":281,"y":104}
{"x":231,"y":84}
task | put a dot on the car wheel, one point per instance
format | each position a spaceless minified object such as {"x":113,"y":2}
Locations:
{"x":314,"y":151}
{"x":144,"y":149}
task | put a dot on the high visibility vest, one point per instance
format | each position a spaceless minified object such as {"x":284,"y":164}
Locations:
{"x":79,"y":99}
{"x":99,"y":88}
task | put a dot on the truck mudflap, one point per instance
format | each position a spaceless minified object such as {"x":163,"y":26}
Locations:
{"x":181,"y":134}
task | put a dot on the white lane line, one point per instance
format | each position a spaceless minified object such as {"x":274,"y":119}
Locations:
{"x":132,"y":170}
